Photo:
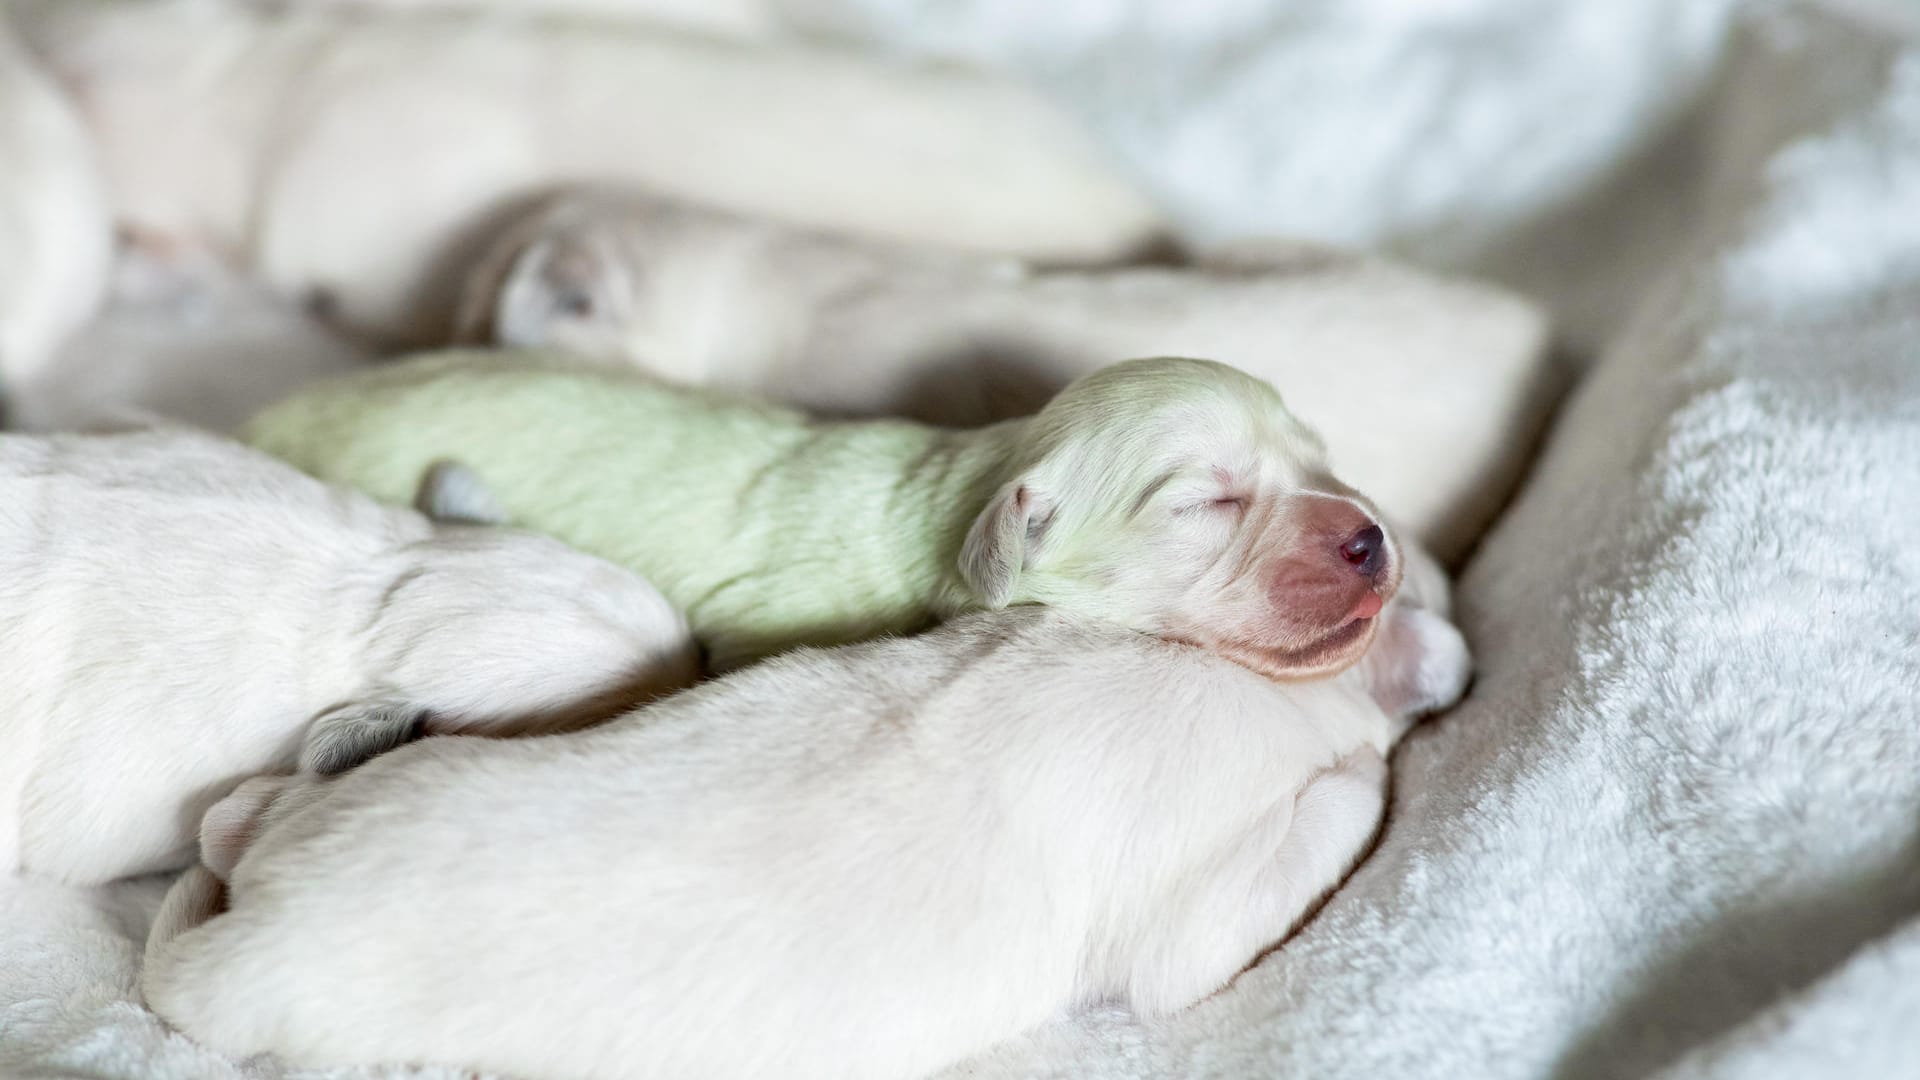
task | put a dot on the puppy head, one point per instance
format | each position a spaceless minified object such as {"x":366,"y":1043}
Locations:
{"x":1181,"y":498}
{"x":496,"y":629}
{"x":620,"y":279}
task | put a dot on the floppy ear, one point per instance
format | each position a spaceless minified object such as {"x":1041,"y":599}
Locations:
{"x":558,"y":281}
{"x":1004,"y":540}
{"x":451,"y":492}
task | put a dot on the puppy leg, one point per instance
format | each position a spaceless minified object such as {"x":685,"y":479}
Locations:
{"x":344,"y":737}
{"x":453,"y":493}
{"x":232,"y":825}
{"x":1259,"y":894}
{"x":195,"y":897}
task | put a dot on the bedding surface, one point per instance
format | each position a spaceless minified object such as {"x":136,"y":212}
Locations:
{"x":1675,"y":829}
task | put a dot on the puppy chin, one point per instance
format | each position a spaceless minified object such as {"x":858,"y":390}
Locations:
{"x":1329,"y":654}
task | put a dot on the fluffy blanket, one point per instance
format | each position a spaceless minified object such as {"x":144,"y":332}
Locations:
{"x":1673,"y":831}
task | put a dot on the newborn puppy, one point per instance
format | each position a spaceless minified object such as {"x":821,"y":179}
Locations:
{"x":55,"y":229}
{"x":356,"y":155}
{"x":1176,"y":497}
{"x":178,"y":613}
{"x":859,"y":863}
{"x":1426,"y":388}
{"x":184,"y":337}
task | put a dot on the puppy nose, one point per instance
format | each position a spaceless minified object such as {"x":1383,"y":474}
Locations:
{"x":1366,"y":550}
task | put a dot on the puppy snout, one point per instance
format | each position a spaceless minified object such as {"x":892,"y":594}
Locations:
{"x":1366,"y":551}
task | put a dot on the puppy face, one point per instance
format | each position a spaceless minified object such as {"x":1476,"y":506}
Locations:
{"x":1181,"y":498}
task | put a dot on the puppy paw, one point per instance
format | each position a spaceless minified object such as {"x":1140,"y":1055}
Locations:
{"x":1418,"y":665}
{"x":453,"y":493}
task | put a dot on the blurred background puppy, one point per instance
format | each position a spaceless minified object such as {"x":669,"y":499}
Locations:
{"x":1426,"y":388}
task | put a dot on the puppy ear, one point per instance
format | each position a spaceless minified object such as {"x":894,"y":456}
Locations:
{"x":1005,"y":539}
{"x":559,"y":282}
{"x":451,"y":492}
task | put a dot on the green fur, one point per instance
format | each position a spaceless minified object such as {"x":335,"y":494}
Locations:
{"x":770,"y":530}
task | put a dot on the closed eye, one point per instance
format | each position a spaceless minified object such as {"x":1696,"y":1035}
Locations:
{"x":1223,"y":504}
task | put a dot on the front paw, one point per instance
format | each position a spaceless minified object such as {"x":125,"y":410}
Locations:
{"x":1418,"y":665}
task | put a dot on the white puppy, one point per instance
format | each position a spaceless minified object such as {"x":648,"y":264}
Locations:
{"x":356,"y":154}
{"x":1428,"y":390}
{"x":178,"y":613}
{"x":863,"y":862}
{"x":55,"y":230}
{"x":184,"y":337}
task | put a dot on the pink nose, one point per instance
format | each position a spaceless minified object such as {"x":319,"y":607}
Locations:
{"x":1366,"y":551}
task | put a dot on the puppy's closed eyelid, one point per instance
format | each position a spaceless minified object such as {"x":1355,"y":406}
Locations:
{"x":1235,"y":504}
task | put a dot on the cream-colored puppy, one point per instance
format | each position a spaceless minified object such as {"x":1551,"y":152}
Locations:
{"x":356,"y":154}
{"x":184,"y":337}
{"x":178,"y":613}
{"x":55,"y":230}
{"x":1428,"y":389}
{"x":865,"y":862}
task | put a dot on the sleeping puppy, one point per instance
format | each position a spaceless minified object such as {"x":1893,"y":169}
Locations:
{"x":354,"y":156}
{"x":863,"y":862}
{"x":186,"y":337}
{"x":1176,"y":497}
{"x":1426,"y":388}
{"x":56,"y":232}
{"x":178,"y":613}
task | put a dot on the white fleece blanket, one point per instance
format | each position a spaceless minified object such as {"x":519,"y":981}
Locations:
{"x":1676,"y":828}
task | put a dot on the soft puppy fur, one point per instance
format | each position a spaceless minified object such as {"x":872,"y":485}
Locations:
{"x":56,"y":231}
{"x":1177,"y":497}
{"x":862,"y":862}
{"x":178,"y":612}
{"x":358,"y":155}
{"x":184,"y":336}
{"x":1428,"y":389}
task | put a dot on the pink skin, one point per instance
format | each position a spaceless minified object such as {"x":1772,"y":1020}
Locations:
{"x":1323,"y":597}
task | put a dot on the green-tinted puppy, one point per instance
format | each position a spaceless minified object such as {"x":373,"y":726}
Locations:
{"x":1176,"y":497}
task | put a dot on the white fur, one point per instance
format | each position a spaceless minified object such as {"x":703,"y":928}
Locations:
{"x":1428,"y":390}
{"x":185,"y":337}
{"x":359,"y":156}
{"x":864,"y":862}
{"x":175,"y":609}
{"x":55,"y":233}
